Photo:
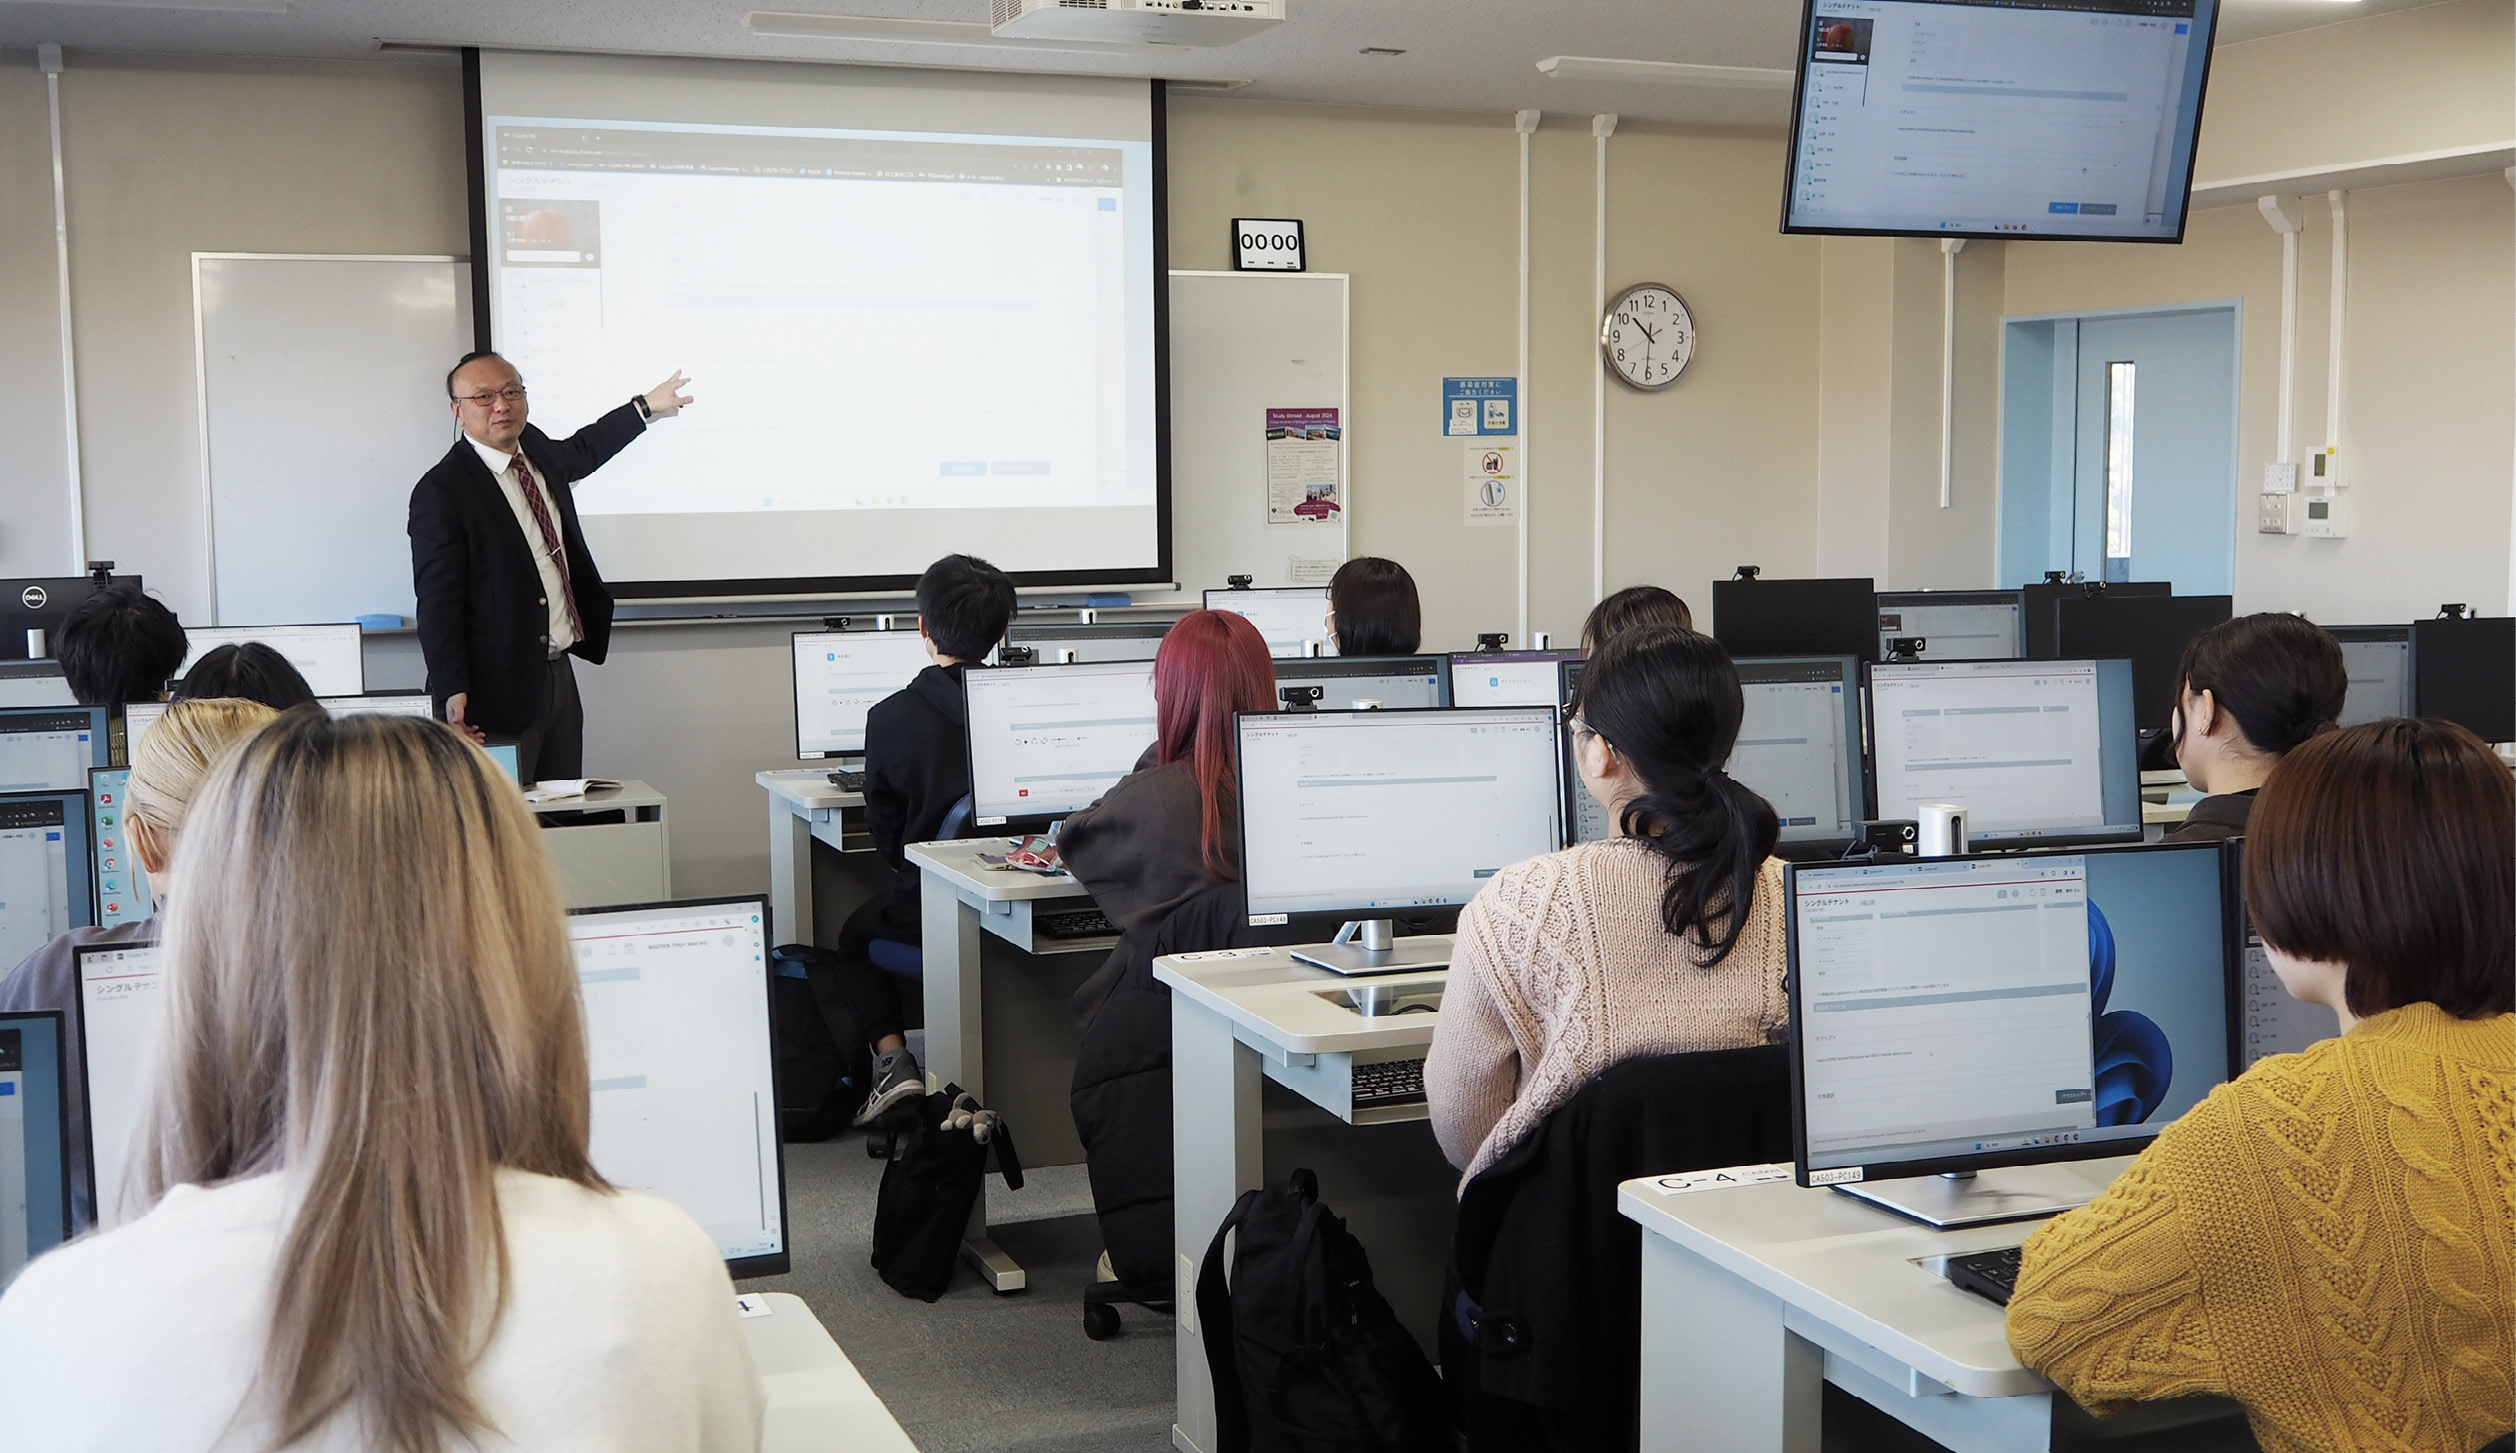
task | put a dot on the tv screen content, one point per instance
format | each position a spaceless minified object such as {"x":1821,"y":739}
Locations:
{"x":2060,"y":119}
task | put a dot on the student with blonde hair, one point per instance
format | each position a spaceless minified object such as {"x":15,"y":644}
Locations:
{"x":168,"y":764}
{"x":366,"y":1217}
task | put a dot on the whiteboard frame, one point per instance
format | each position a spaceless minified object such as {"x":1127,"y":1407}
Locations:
{"x":201,"y":382}
{"x":1345,"y":398}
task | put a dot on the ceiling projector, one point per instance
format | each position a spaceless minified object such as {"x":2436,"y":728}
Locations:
{"x":1136,"y":22}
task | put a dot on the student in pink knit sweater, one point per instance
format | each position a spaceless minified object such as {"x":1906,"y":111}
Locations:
{"x":1664,"y":939}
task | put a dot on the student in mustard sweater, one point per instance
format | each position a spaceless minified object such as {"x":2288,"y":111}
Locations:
{"x":2327,"y":1237}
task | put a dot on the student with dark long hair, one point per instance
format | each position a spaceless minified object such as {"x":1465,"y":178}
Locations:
{"x":1373,"y":609}
{"x":2327,"y":1238}
{"x":1635,"y":605}
{"x":245,"y":671}
{"x":2248,"y":691}
{"x":1168,"y":830}
{"x":1663,"y":939}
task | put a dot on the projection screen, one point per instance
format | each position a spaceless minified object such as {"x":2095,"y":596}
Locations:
{"x":921,"y":311}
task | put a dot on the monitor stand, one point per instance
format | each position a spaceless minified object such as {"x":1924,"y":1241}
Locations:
{"x":1980,"y":1198}
{"x":1371,"y":946}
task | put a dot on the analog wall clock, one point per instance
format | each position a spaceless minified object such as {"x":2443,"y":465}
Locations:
{"x":1647,"y":337}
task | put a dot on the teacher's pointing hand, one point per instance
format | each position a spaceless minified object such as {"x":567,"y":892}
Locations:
{"x":666,"y":399}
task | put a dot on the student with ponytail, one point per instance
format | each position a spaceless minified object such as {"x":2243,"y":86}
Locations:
{"x":1666,"y":938}
{"x":2249,"y":690}
{"x":1169,"y":830}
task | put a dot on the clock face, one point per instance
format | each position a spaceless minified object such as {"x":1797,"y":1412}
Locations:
{"x":1647,"y":337}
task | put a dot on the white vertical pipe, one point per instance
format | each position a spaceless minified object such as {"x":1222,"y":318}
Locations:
{"x":1526,"y":124}
{"x":2287,"y":219}
{"x":1949,"y":247}
{"x":1601,"y":128}
{"x":48,"y":58}
{"x":2341,"y":292}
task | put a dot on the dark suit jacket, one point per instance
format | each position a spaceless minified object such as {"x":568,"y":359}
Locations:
{"x":483,"y":623}
{"x":917,"y":765}
{"x":2214,"y":819}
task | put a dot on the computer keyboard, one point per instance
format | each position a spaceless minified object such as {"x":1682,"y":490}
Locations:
{"x":1990,"y":1274}
{"x":848,"y":781}
{"x":1389,"y":1082}
{"x":1073,"y":923}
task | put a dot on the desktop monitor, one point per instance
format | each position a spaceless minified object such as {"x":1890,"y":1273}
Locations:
{"x":1961,"y":1014}
{"x":43,"y":603}
{"x":2149,"y":631}
{"x":52,"y":748}
{"x":34,"y":1139}
{"x":1288,"y":616}
{"x":392,"y":703}
{"x":34,"y":683}
{"x":1796,"y":617}
{"x":137,"y":718}
{"x":2466,"y":673}
{"x":2039,"y":753}
{"x":1955,"y":625}
{"x":840,"y":676}
{"x":328,"y":656}
{"x":1374,"y":815}
{"x":1101,"y":641}
{"x":1396,"y":682}
{"x":2378,"y":659}
{"x":47,"y":884}
{"x":122,"y":884}
{"x":1048,"y":740}
{"x":119,"y":995}
{"x":677,"y":1043}
{"x":1508,"y":678}
{"x":1799,"y":747}
{"x":2040,"y":599}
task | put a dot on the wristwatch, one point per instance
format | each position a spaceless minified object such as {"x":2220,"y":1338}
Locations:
{"x":638,"y":402}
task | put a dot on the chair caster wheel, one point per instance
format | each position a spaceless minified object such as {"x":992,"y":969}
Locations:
{"x":1100,"y":1323}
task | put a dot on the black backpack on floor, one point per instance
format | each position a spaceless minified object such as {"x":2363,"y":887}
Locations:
{"x":824,"y":1068}
{"x":931,"y":1185}
{"x":1306,"y":1355}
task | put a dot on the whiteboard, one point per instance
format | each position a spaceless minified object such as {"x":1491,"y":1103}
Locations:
{"x":1243,"y":343}
{"x":322,"y":400}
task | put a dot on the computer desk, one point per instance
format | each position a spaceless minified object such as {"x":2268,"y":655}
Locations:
{"x":963,"y":902}
{"x":817,"y":1400}
{"x":602,"y":865}
{"x":805,"y":806}
{"x":1753,"y":1295}
{"x":1240,"y":1018}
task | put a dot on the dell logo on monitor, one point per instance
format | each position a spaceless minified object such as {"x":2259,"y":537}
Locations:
{"x":34,"y":597}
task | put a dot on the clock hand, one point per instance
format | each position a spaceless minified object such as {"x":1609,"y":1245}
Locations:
{"x":1646,"y":330}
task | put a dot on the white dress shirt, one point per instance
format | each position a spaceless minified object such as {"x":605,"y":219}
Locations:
{"x":554,"y":591}
{"x":619,"y":1333}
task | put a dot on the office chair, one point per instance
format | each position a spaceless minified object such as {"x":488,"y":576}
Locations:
{"x":907,"y":960}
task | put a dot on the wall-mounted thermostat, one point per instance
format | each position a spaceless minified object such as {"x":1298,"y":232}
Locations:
{"x":1266,"y":244}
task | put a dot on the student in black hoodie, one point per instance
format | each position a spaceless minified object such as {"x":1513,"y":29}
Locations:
{"x":916,"y":768}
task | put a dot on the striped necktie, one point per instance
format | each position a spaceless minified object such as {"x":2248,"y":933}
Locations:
{"x":532,"y":489}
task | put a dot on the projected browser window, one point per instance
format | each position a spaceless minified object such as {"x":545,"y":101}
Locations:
{"x":905,"y":343}
{"x":2033,"y":117}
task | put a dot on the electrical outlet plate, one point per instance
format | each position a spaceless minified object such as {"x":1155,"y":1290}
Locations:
{"x":2272,"y":514}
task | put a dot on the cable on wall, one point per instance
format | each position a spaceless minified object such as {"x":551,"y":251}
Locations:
{"x":1949,"y":247}
{"x":1601,"y":128}
{"x":48,"y":60}
{"x":1526,"y":124}
{"x":2287,"y":219}
{"x":2341,"y":294}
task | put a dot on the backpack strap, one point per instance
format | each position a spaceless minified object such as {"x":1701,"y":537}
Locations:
{"x":1214,"y":1321}
{"x":1007,"y":1159}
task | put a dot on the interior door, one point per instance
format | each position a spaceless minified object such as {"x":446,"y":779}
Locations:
{"x":2154,"y":469}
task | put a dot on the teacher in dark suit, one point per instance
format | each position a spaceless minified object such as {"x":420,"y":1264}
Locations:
{"x":507,"y":592}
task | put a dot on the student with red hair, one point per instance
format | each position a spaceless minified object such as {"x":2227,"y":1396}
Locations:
{"x":1169,"y":830}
